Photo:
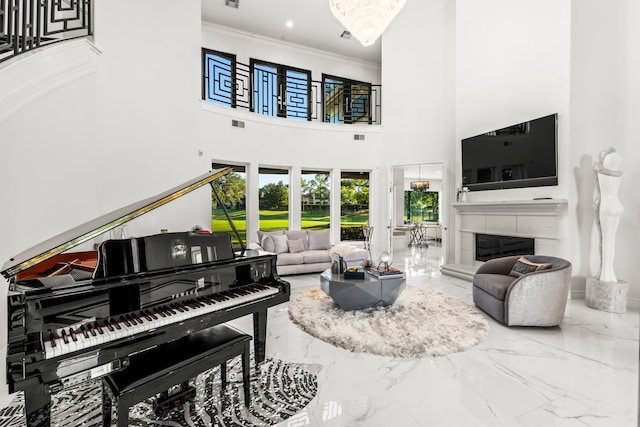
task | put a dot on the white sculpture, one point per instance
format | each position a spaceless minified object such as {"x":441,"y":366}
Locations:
{"x":608,"y":209}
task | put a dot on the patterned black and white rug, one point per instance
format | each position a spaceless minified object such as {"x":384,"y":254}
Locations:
{"x":278,"y":391}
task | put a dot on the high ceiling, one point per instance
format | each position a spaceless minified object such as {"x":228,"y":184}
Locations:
{"x":312,"y":24}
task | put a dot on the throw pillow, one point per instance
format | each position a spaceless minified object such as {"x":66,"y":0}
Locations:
{"x":298,"y":234}
{"x":319,"y":239}
{"x":280,"y":243}
{"x":524,"y":266}
{"x":295,"y":246}
{"x":267,"y":244}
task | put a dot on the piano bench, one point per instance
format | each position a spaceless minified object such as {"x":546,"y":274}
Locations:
{"x":159,"y":369}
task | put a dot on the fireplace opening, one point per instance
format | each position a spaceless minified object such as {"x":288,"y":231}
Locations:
{"x":489,"y":246}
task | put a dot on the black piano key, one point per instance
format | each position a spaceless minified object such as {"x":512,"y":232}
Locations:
{"x":65,"y":337}
{"x":125,"y":321}
{"x":98,"y":328}
{"x":108,"y":324}
{"x":73,"y":333}
{"x":52,"y":338}
{"x":84,"y":331}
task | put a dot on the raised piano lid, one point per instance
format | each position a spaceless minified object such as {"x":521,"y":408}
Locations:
{"x":80,"y":234}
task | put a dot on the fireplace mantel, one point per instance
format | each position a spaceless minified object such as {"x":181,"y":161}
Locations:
{"x":551,"y":206}
{"x":537,"y":219}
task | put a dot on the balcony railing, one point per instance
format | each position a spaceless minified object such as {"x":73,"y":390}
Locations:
{"x":29,"y":24}
{"x":232,"y":84}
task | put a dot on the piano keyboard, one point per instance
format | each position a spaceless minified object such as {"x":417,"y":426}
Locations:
{"x":69,"y":339}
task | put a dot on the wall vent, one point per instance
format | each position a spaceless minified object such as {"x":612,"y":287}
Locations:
{"x":232,"y":3}
{"x":237,"y":124}
{"x":358,"y":137}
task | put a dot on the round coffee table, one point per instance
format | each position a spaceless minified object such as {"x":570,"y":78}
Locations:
{"x":358,"y":294}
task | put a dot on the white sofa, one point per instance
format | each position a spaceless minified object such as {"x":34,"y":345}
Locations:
{"x":305,"y":251}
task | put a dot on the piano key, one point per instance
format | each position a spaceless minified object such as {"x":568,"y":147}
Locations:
{"x":94,"y":333}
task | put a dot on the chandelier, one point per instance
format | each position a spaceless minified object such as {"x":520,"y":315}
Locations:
{"x":366,"y":19}
{"x":419,"y":186}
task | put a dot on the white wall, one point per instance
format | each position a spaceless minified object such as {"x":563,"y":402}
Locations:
{"x":418,"y":80}
{"x":605,"y":104}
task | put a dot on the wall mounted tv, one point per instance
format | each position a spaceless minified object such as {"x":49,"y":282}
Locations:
{"x":521,"y":155}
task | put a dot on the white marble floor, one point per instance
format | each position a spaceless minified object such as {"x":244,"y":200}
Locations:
{"x":582,"y":373}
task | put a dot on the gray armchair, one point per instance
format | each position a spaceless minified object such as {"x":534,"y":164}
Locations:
{"x":534,"y":299}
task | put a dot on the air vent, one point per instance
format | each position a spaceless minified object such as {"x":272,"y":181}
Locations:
{"x":345,"y":35}
{"x":358,"y":137}
{"x":237,"y":124}
{"x":232,"y":3}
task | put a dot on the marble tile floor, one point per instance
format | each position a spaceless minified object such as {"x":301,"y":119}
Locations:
{"x":582,"y":373}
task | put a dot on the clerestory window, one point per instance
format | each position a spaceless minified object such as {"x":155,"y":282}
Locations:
{"x":346,"y":101}
{"x":219,"y":78}
{"x":279,"y":90}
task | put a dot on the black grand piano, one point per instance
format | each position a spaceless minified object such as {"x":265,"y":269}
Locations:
{"x":75,"y":316}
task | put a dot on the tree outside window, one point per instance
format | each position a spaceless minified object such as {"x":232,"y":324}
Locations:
{"x":232,"y":190}
{"x":315,"y":206}
{"x":354,"y":204}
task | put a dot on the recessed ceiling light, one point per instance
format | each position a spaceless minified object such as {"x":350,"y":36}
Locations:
{"x":289,"y":23}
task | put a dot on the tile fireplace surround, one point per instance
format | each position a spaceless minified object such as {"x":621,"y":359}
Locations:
{"x":537,"y":219}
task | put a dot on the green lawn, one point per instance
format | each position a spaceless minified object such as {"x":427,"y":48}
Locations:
{"x":276,"y":220}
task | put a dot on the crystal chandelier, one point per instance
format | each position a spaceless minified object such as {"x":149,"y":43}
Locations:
{"x":366,"y":19}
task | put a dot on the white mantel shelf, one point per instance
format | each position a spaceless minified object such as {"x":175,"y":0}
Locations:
{"x":513,"y":206}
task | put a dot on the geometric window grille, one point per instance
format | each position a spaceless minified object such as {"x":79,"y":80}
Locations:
{"x":219,"y":73}
{"x":279,"y":90}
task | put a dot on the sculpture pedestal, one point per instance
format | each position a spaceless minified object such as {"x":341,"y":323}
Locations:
{"x":607,"y":296}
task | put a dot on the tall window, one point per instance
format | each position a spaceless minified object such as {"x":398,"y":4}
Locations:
{"x":218,"y":77}
{"x":279,"y":90}
{"x":346,"y":101}
{"x":232,"y":190}
{"x":315,"y":188}
{"x":354,"y":204}
{"x":273,"y":199}
{"x":421,"y":206}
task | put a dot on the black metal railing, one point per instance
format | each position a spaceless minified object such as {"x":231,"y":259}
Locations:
{"x":29,"y":24}
{"x":232,"y":84}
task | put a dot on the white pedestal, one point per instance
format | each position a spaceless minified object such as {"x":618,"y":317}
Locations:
{"x":607,"y":296}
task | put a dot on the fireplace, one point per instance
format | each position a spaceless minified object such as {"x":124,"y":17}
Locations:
{"x":489,"y":246}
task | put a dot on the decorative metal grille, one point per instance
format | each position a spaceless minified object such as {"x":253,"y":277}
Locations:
{"x":302,"y":99}
{"x":29,"y":24}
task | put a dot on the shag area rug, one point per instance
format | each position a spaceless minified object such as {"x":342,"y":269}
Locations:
{"x":278,"y":391}
{"x":421,"y":322}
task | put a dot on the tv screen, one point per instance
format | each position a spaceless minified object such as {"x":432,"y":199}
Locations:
{"x":521,"y":155}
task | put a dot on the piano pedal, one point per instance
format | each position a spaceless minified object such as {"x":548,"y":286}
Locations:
{"x":168,"y":401}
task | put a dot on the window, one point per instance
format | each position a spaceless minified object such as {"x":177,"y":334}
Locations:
{"x":218,"y":78}
{"x":421,"y":206}
{"x":346,"y":101}
{"x":354,"y":204}
{"x":273,"y":198}
{"x":315,"y":190}
{"x":280,"y":91}
{"x":232,"y":190}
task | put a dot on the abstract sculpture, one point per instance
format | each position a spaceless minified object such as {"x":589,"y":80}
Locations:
{"x":605,"y":292}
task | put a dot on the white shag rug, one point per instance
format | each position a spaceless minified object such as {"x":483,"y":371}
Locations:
{"x":421,"y":322}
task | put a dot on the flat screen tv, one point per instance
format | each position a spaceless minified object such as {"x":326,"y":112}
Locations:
{"x":521,"y":155}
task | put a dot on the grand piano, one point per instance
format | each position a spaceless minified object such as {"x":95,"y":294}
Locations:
{"x":76,"y":316}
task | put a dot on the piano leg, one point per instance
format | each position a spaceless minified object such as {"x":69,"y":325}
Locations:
{"x":37,"y":406}
{"x":259,"y":335}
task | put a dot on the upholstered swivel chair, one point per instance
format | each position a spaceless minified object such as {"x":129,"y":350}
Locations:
{"x":538,"y":298}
